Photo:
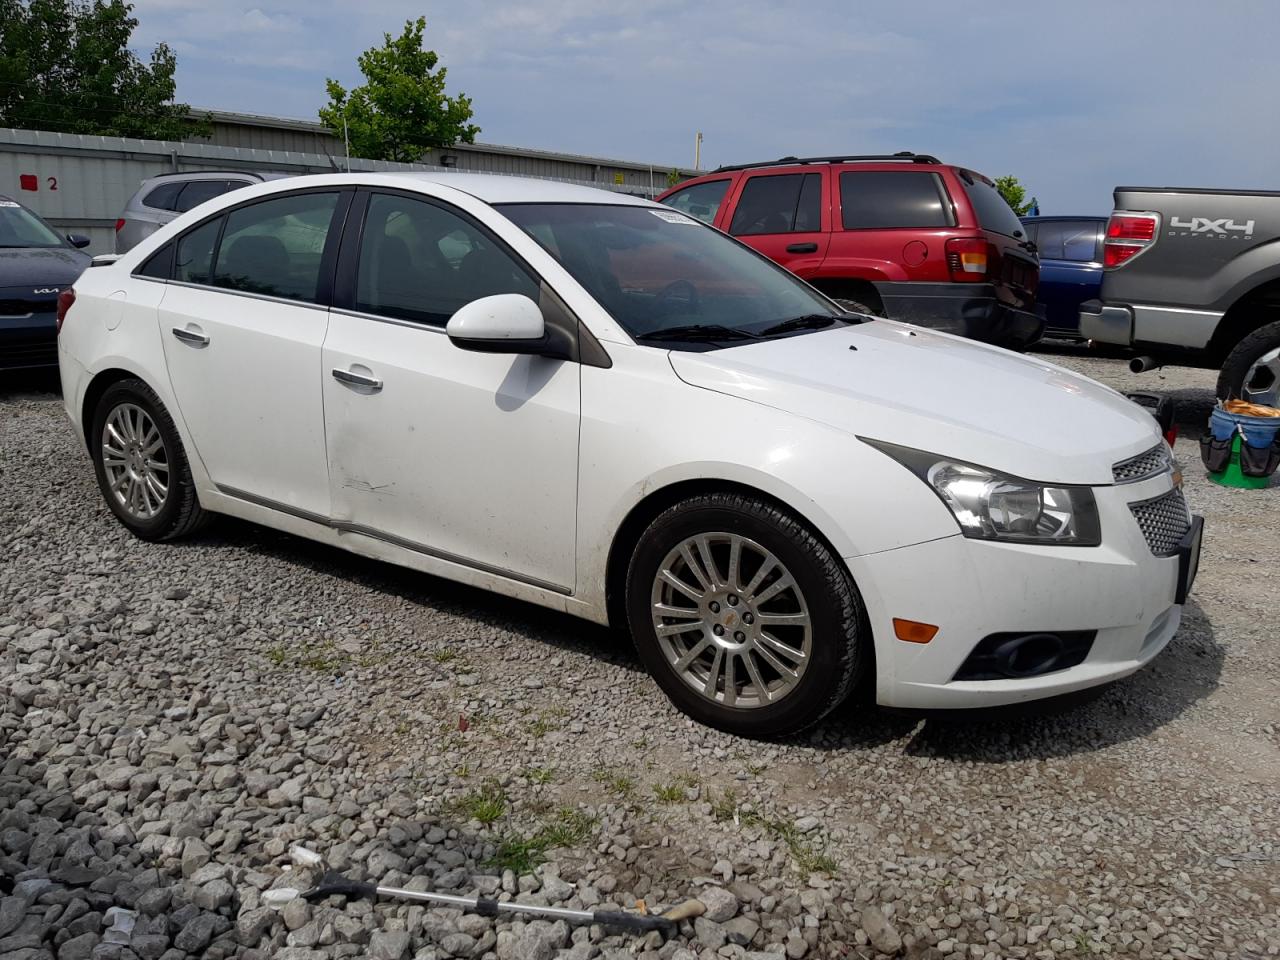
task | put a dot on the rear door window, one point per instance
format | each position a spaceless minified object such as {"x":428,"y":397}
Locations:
{"x":783,"y":203}
{"x":881,"y":200}
{"x":165,"y":196}
{"x":993,"y":212}
{"x":275,"y":247}
{"x":196,"y":192}
{"x":702,"y":200}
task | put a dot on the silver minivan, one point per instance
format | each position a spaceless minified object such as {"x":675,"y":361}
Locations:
{"x":161,"y":199}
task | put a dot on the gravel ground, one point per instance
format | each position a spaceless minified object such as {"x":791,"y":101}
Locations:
{"x":175,"y":720}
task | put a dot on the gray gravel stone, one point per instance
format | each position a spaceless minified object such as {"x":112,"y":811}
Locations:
{"x":720,"y":903}
{"x":389,"y":945}
{"x":882,"y":934}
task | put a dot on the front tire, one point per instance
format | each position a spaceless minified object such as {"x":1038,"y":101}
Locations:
{"x":745,"y":619}
{"x":140,"y":463}
{"x":1252,"y":368}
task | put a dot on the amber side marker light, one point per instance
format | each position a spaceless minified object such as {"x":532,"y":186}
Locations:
{"x":912,"y":631}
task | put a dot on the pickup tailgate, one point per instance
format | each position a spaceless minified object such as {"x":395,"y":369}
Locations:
{"x":1209,"y":248}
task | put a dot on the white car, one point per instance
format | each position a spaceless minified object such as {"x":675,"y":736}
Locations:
{"x":598,"y":404}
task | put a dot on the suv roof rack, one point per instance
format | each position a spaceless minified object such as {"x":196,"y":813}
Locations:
{"x":905,"y":156}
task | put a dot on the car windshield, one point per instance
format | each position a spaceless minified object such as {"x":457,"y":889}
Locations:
{"x":19,"y":227}
{"x":666,"y":277}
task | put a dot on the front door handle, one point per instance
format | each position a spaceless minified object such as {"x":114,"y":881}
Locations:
{"x":802,"y":248}
{"x":192,"y":337}
{"x":357,"y":379}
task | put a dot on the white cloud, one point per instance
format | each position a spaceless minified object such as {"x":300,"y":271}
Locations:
{"x":1072,"y":98}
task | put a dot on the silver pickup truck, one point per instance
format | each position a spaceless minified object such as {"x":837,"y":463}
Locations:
{"x":1192,"y":277}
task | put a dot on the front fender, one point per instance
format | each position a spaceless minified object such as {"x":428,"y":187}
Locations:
{"x":644,"y":432}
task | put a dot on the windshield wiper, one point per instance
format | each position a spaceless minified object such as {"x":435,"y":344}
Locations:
{"x":695,"y":332}
{"x":810,"y":321}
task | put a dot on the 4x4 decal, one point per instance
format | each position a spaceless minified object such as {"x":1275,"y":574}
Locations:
{"x":1206,"y":226}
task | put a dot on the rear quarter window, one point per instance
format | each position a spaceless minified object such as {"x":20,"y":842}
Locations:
{"x":874,"y":199}
{"x":197,"y":192}
{"x":165,"y":196}
{"x":991,"y":209}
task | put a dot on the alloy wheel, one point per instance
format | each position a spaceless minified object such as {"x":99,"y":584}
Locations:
{"x":136,"y":461}
{"x":731,"y":620}
{"x":1262,"y":382}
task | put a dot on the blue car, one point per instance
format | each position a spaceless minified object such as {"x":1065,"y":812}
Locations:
{"x":1070,"y":251}
{"x":36,"y":264}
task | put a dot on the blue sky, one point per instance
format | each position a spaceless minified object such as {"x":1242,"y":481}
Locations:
{"x":1073,"y":97}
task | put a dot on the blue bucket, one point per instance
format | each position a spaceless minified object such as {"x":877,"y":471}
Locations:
{"x":1256,"y":431}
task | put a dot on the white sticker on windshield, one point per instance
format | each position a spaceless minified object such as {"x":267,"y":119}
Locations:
{"x":672,"y":217}
{"x":8,"y":203}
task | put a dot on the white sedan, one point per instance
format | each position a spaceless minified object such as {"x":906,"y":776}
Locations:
{"x":598,"y":404}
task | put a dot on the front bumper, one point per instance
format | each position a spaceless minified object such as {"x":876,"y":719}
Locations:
{"x":29,"y":342}
{"x":972,"y":310}
{"x":975,"y":588}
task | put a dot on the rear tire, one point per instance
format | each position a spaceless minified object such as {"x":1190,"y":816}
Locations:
{"x":751,"y":649}
{"x":140,"y":464}
{"x":1250,"y":371}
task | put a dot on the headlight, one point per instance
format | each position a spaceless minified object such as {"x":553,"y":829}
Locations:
{"x":990,"y":505}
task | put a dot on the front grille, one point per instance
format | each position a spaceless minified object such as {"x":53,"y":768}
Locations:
{"x":39,"y":351}
{"x":1164,"y":521}
{"x":1154,"y":461}
{"x":23,"y":308}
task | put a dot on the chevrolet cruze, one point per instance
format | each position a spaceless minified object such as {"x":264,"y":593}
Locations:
{"x":599,"y":404}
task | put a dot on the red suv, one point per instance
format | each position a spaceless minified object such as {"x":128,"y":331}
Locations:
{"x":904,"y":236}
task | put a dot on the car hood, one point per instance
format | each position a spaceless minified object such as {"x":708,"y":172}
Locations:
{"x":41,"y":266}
{"x":919,"y":388}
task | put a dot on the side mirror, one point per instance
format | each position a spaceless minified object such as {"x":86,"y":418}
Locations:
{"x":503,"y":323}
{"x":78,"y":240}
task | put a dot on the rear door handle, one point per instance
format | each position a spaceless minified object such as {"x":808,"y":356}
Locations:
{"x":357,"y":379}
{"x":193,"y":337}
{"x":802,"y":248}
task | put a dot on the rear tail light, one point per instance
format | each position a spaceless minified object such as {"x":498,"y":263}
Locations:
{"x":1128,"y":234}
{"x":969,"y":259}
{"x":119,"y":224}
{"x":65,"y":299}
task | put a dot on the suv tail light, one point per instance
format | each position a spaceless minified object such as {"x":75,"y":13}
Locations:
{"x":969,"y":259}
{"x":119,"y":224}
{"x":1128,"y":234}
{"x":65,"y":299}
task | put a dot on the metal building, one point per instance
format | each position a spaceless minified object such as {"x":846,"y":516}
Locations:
{"x":81,"y":183}
{"x":309,"y":136}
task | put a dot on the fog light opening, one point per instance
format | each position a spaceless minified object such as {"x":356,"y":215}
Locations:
{"x":1029,"y":655}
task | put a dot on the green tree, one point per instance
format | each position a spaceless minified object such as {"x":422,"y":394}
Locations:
{"x":402,"y":110}
{"x":65,"y":65}
{"x":673,"y":177}
{"x":1015,"y":194}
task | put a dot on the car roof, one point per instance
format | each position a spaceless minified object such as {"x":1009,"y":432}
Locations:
{"x":489,"y":188}
{"x":498,"y":188}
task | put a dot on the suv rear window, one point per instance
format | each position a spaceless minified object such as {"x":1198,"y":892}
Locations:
{"x":992,"y":210}
{"x":702,"y":200}
{"x":165,"y":196}
{"x":197,"y":192}
{"x":875,"y":199}
{"x":783,"y":203}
